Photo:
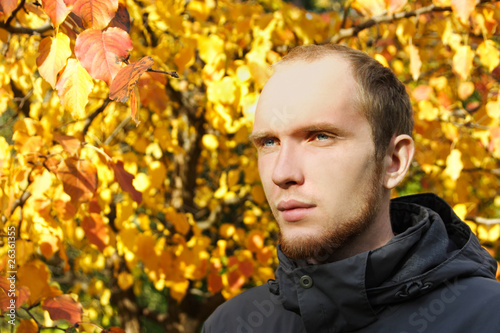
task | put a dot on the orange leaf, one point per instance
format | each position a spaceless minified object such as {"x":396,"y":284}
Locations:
{"x":101,"y":52}
{"x":69,"y":143}
{"x":126,"y":80}
{"x":113,"y":329}
{"x":125,"y":179}
{"x":54,"y":52}
{"x":96,"y":14}
{"x":463,"y":9}
{"x":63,"y":307}
{"x":96,"y":230}
{"x":35,"y":277}
{"x":57,"y":10}
{"x":214,"y":281}
{"x":7,"y":7}
{"x":121,"y":19}
{"x":27,"y":326}
{"x":79,"y":179}
{"x":74,"y":87}
{"x":134,"y":105}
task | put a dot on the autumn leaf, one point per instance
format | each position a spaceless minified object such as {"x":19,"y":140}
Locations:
{"x":74,"y":87}
{"x":462,"y":61}
{"x":415,"y":62}
{"x":27,"y":326}
{"x":121,"y":19}
{"x":7,"y":7}
{"x":463,"y":9}
{"x":102,"y":52}
{"x":54,"y":52}
{"x":454,"y":164}
{"x":125,"y":179}
{"x":69,"y":143}
{"x":63,"y":307}
{"x":113,"y":329}
{"x":369,"y":8}
{"x":96,"y":230}
{"x":394,"y":6}
{"x":57,"y":10}
{"x":489,"y":54}
{"x":126,"y":80}
{"x":96,"y":14}
{"x":79,"y":178}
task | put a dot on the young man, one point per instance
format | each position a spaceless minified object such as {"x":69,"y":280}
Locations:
{"x":333,"y":134}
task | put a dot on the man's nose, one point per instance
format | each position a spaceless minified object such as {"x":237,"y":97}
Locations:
{"x":288,"y":167}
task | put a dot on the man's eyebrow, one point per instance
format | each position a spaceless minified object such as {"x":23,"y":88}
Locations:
{"x":316,"y":127}
{"x":253,"y":137}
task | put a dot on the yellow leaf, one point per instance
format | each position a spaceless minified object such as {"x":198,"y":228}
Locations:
{"x":462,"y":61}
{"x":489,"y":54}
{"x":427,"y":111}
{"x":380,"y":58}
{"x":184,"y":58}
{"x":74,"y":87}
{"x":179,"y":289}
{"x":54,"y":52}
{"x":369,"y":7}
{"x":210,"y":47}
{"x":454,"y":164}
{"x":141,"y":182}
{"x":493,"y":109}
{"x":210,"y":142}
{"x":488,"y":233}
{"x":465,"y":89}
{"x":226,"y":230}
{"x":415,"y":62}
{"x":199,"y":10}
{"x":394,"y":6}
{"x":125,"y":280}
{"x":463,"y":9}
{"x":223,"y":91}
{"x":460,"y":210}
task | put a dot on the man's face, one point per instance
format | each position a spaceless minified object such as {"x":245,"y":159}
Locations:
{"x":316,"y":157}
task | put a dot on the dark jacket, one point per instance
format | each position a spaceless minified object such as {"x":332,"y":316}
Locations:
{"x":432,"y":277}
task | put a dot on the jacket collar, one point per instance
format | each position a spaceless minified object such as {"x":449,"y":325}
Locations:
{"x":346,"y":295}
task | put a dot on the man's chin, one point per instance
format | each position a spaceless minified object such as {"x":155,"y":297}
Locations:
{"x":307,"y":246}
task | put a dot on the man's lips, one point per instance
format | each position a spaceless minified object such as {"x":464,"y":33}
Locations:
{"x":294,"y":210}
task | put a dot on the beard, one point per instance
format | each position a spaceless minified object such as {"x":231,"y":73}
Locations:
{"x":319,"y":248}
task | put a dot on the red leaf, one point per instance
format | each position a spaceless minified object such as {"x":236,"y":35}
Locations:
{"x":63,"y":307}
{"x":69,"y":143}
{"x":96,"y":14}
{"x":101,"y":52}
{"x":79,"y":179}
{"x":96,"y":230}
{"x":7,"y":7}
{"x":125,"y":81}
{"x":125,"y":179}
{"x":121,"y":19}
{"x":57,"y":10}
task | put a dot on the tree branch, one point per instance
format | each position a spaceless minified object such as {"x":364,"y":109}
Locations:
{"x":93,"y":115}
{"x":482,"y":220}
{"x":384,"y":18}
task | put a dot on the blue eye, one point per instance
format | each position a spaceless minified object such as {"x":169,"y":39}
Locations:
{"x":322,"y":136}
{"x":268,"y":142}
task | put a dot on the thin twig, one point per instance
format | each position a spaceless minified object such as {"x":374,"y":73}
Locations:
{"x":385,"y":18}
{"x":171,"y":73}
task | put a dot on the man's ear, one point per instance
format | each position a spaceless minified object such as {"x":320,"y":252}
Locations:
{"x":397,"y":160}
